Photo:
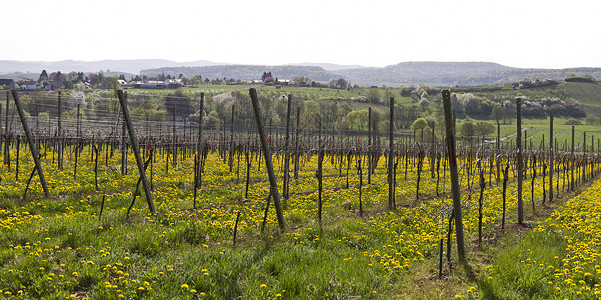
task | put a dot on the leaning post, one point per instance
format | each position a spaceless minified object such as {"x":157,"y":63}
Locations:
{"x":267,"y":154}
{"x":136,"y":149}
{"x":32,"y":147}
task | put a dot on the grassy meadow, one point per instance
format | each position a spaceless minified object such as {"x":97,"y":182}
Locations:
{"x":73,"y":245}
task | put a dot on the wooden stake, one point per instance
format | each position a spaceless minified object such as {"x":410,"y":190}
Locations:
{"x":518,"y":142}
{"x":32,"y":147}
{"x":446,"y":97}
{"x":136,"y":149}
{"x":268,"y":162}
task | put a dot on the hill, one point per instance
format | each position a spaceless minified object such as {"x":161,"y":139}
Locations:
{"x":246,"y":72}
{"x":328,"y":66}
{"x":455,"y":74}
{"x":439,"y":74}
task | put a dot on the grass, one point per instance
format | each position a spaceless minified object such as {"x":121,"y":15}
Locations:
{"x":539,"y":127}
{"x":554,"y":260}
{"x":58,"y":247}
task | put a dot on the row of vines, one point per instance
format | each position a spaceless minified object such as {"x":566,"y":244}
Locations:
{"x":91,"y":238}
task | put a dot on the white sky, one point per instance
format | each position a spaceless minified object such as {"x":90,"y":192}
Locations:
{"x":517,"y":33}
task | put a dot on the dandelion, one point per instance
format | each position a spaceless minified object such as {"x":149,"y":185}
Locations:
{"x":263,"y":285}
{"x":184,"y":286}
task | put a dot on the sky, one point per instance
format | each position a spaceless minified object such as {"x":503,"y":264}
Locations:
{"x":375,"y":33}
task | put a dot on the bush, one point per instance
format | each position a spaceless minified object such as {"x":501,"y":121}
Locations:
{"x":573,"y":122}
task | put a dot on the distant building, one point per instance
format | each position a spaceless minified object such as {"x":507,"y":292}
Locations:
{"x":29,"y":85}
{"x":8,"y":83}
{"x":283,"y":81}
{"x":157,"y":84}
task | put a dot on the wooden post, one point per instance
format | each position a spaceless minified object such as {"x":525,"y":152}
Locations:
{"x":231,"y":146}
{"x":369,"y":146}
{"x":6,"y":153}
{"x":583,"y":178}
{"x":551,"y":158}
{"x":296,"y":149}
{"x":360,"y":170}
{"x":497,"y":158}
{"x":60,"y":132}
{"x":17,"y":159}
{"x":136,"y":149}
{"x":236,"y":227}
{"x":432,"y":150}
{"x":446,"y":98}
{"x":2,"y":130}
{"x":285,"y":189}
{"x":32,"y":147}
{"x":480,"y":204}
{"x":199,"y":148}
{"x":123,"y":161}
{"x":319,"y":175}
{"x":572,"y":185}
{"x":518,"y":142}
{"x":267,"y":154}
{"x":391,"y":157}
{"x":78,"y":129}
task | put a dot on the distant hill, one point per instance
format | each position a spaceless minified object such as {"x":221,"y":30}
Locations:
{"x":439,"y":74}
{"x":328,"y":66}
{"x":246,"y":72}
{"x":126,"y":66}
{"x":455,"y":73}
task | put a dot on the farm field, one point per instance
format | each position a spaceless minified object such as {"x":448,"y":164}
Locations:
{"x":62,"y":247}
{"x":357,"y":222}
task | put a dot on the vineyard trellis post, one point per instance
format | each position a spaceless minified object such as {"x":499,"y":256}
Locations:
{"x":518,"y":143}
{"x":497,"y":157}
{"x":268,"y":162}
{"x":231,"y":144}
{"x":296,"y":145}
{"x":391,"y":203}
{"x":446,"y":97}
{"x":572,"y":160}
{"x":32,"y":147}
{"x":136,"y":149}
{"x":60,"y":131}
{"x":197,"y":171}
{"x":6,"y":153}
{"x":123,"y":149}
{"x":551,"y":158}
{"x":369,"y":145}
{"x":285,"y":189}
{"x":2,"y":130}
{"x":584,"y":156}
